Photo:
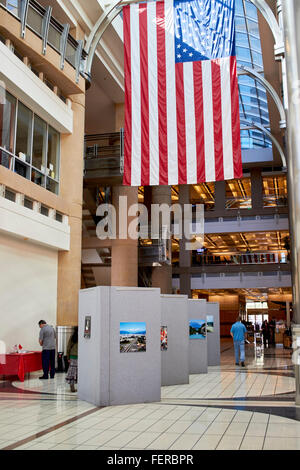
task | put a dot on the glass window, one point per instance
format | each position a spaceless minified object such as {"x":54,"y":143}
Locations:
{"x":51,"y":186}
{"x":53,"y":153}
{"x":37,"y":178}
{"x":39,"y":144}
{"x":35,"y":20}
{"x":13,"y":6}
{"x":70,"y":54}
{"x":24,"y":131}
{"x":54,"y":37}
{"x":7,"y":120}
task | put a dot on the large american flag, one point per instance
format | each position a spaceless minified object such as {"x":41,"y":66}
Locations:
{"x":182,"y":121}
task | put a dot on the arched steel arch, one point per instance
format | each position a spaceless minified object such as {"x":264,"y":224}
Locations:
{"x":111,"y":12}
{"x":262,"y":129}
{"x":267,"y":85}
{"x":270,"y":18}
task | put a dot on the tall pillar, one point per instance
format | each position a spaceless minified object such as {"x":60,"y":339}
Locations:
{"x":124,"y":259}
{"x":291,"y":21}
{"x":220,"y":196}
{"x":185,"y":256}
{"x":256,"y":189}
{"x":124,"y":265}
{"x":288,"y":314}
{"x":71,"y":186}
{"x":162,"y":275}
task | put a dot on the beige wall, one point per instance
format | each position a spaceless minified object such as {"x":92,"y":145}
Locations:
{"x":229,"y":310}
{"x":71,"y":178}
{"x":28,"y":291}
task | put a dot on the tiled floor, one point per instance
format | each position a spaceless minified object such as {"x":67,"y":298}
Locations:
{"x":229,"y":408}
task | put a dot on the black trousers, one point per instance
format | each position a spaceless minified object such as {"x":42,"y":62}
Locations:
{"x":48,"y":361}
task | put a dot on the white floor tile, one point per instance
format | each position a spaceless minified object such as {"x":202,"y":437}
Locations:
{"x":252,"y":443}
{"x":163,"y":442}
{"x":230,"y":443}
{"x":280,"y":443}
{"x":207,"y":442}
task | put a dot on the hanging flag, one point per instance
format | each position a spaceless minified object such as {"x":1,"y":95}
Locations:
{"x":182,"y":122}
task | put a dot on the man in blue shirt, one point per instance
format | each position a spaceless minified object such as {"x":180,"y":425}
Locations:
{"x":238,"y":332}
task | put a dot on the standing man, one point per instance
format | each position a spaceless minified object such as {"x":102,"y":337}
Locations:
{"x":47,"y":340}
{"x":238,"y":332}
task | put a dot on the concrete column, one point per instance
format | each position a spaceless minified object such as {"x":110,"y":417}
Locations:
{"x":71,"y":183}
{"x":256,"y":189}
{"x":124,"y":260}
{"x":184,"y":255}
{"x":162,"y":275}
{"x":220,"y":196}
{"x":288,"y":314}
{"x":124,"y":267}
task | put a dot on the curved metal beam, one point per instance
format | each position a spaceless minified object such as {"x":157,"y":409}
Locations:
{"x":270,"y":18}
{"x":97,"y":32}
{"x":268,"y":133}
{"x":267,"y":85}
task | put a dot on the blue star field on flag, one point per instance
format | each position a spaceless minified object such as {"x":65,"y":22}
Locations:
{"x":204,"y":29}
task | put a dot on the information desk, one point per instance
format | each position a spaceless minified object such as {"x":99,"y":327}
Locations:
{"x":21,"y":364}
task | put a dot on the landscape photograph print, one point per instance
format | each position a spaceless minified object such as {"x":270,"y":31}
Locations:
{"x":210,"y":324}
{"x":197,"y":329}
{"x":132,"y":337}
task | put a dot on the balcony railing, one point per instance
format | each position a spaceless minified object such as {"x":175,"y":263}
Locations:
{"x":104,"y":156}
{"x":39,"y":20}
{"x":240,"y":259}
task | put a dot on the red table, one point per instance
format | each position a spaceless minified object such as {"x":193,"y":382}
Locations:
{"x":20,"y":364}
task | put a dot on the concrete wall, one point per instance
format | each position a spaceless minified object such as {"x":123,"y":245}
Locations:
{"x":28,"y":291}
{"x":17,"y":220}
{"x":198,"y":347}
{"x":135,"y":377}
{"x":93,"y":353}
{"x":213,"y":339}
{"x":106,"y":376}
{"x":175,"y":360}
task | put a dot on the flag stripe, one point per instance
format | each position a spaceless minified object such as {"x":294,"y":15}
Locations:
{"x":198,"y":88}
{"x":235,"y":116}
{"x":136,"y":96}
{"x":127,"y":71}
{"x":217,"y":116}
{"x":190,"y":124}
{"x":143,"y":35}
{"x":171,"y":94}
{"x":153,"y":95}
{"x":144,"y":95}
{"x":208,"y":121}
{"x":162,"y":89}
{"x":181,"y":134}
{"x":226,"y":123}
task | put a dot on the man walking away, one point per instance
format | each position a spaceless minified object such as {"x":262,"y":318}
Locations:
{"x":47,"y":340}
{"x":238,"y":332}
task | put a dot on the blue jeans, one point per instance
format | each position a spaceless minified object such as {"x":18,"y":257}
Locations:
{"x":239,"y":349}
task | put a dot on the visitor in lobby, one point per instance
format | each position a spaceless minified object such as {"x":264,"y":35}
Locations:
{"x":47,"y":340}
{"x":272,"y":327}
{"x":72,"y":355}
{"x":266,"y":333}
{"x":238,"y":332}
